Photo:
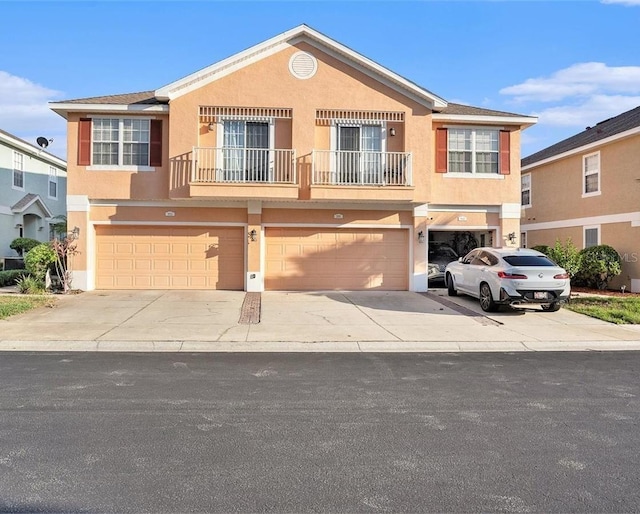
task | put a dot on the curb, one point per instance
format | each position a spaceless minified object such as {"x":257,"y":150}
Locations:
{"x":316,"y":347}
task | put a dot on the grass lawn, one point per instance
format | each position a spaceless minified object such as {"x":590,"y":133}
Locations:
{"x":11,"y":305}
{"x":613,"y":309}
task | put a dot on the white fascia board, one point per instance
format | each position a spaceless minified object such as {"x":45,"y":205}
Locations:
{"x":39,"y":153}
{"x":584,"y":149}
{"x":62,"y":109}
{"x":277,"y":43}
{"x":525,"y":121}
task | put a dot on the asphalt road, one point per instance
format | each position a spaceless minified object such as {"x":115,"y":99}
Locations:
{"x":553,"y":432}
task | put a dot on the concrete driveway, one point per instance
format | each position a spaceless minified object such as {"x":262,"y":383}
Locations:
{"x":301,"y":321}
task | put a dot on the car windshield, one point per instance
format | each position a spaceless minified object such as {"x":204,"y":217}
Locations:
{"x":444,"y":252}
{"x":529,"y":260}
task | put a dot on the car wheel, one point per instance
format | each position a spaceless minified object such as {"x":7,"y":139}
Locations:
{"x":551,"y":307}
{"x":486,"y":300}
{"x":451,"y":290}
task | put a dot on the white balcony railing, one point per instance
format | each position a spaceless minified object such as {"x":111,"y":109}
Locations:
{"x":361,"y":168}
{"x":243,"y":165}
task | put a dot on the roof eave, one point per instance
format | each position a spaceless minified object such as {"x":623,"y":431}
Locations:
{"x":63,"y":109}
{"x":522,"y":121}
{"x":33,"y":150}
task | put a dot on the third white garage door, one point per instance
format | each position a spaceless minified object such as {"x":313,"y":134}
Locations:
{"x":306,"y":259}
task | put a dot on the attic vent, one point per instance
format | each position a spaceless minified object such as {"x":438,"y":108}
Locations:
{"x":303,"y":65}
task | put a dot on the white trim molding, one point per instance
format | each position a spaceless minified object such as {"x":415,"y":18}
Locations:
{"x":510,"y":211}
{"x":627,"y":217}
{"x":78,"y":203}
{"x":64,"y":108}
{"x":524,"y":121}
{"x":421,"y":211}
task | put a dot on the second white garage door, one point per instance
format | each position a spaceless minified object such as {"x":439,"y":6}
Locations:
{"x":306,"y":259}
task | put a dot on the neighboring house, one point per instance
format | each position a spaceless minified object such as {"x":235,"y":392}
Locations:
{"x":33,"y":191}
{"x":586,"y":188}
{"x":297,"y":164}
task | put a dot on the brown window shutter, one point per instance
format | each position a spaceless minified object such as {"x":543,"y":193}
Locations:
{"x":505,"y":152}
{"x":441,"y":150}
{"x":84,"y":142}
{"x":155,"y":143}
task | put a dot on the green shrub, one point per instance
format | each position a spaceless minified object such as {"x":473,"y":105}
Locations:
{"x":598,"y":265}
{"x":23,"y":244}
{"x":542,"y":249}
{"x":39,"y":259}
{"x":9,"y":277}
{"x":30,"y":285}
{"x":566,"y":255}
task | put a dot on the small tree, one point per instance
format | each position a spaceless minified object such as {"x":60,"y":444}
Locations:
{"x":38,"y":260}
{"x":65,"y":250}
{"x":566,"y":255}
{"x":598,"y":265}
{"x":23,"y":244}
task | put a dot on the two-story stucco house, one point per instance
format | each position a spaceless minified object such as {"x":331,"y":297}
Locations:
{"x":33,"y":191}
{"x":586,"y":188}
{"x":297,"y":164}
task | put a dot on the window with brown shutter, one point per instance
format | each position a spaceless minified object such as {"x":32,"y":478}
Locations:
{"x":441,"y":150}
{"x":155,"y":143}
{"x":84,"y":142}
{"x":505,"y":152}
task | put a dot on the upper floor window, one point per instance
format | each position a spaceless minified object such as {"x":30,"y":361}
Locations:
{"x":53,"y":183}
{"x":479,"y":152}
{"x":130,"y":143}
{"x":18,"y":170}
{"x":591,"y":175}
{"x":121,"y":142}
{"x":525,"y":190}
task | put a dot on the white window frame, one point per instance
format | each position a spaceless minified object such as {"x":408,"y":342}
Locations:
{"x":523,"y":189}
{"x":584,"y":175}
{"x":335,"y":134}
{"x":17,"y":156}
{"x":53,"y":179}
{"x":523,"y":239}
{"x":474,"y":173}
{"x":120,"y":167}
{"x":584,"y":234}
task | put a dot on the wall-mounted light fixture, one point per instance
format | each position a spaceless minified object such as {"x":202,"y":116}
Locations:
{"x":212,"y":126}
{"x":421,"y":237}
{"x":253,"y":235}
{"x":512,"y":237}
{"x":392,"y":131}
{"x":74,"y":234}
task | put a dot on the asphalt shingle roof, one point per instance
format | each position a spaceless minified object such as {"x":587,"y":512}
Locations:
{"x":142,"y":97}
{"x":469,"y":110}
{"x":23,"y":202}
{"x":607,"y":128}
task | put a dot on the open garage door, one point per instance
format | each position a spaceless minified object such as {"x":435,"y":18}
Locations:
{"x":307,"y":259}
{"x":143,"y":257}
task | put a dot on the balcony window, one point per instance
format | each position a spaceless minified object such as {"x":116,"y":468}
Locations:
{"x":245,"y":151}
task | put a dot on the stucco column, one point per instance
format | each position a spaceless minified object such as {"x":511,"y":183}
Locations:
{"x":255,"y":241}
{"x":509,"y":224}
{"x":419,"y":281}
{"x":83,"y":272}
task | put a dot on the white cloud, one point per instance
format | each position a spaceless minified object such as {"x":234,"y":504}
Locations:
{"x":628,"y":3}
{"x":578,"y":80}
{"x":595,"y":109}
{"x":24,"y":111}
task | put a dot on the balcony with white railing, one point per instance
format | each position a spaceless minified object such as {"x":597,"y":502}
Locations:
{"x":243,"y":172}
{"x":361,"y":175}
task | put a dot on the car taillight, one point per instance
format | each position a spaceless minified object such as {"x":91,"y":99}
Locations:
{"x":516,"y":276}
{"x":561,"y":275}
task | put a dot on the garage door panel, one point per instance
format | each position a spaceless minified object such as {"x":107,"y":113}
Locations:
{"x":308,"y":259}
{"x":169,"y":257}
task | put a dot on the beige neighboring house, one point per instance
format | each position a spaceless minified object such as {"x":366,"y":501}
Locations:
{"x":297,"y":164}
{"x":587,"y":188}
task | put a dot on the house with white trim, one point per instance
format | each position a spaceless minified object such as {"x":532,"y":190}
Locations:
{"x":586,"y":188}
{"x":33,"y":191}
{"x":297,"y":164}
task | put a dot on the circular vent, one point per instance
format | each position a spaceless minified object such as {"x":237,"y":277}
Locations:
{"x":303,"y":65}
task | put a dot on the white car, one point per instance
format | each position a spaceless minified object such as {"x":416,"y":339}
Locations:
{"x":509,"y":276}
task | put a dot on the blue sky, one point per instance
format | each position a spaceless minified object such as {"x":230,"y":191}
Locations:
{"x":570,"y":63}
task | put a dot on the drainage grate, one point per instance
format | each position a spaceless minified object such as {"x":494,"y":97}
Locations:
{"x":250,"y":313}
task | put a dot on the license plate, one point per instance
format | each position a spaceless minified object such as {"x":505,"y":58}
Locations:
{"x":539,"y":295}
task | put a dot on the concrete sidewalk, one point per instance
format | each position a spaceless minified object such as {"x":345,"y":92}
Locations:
{"x":371,"y":321}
